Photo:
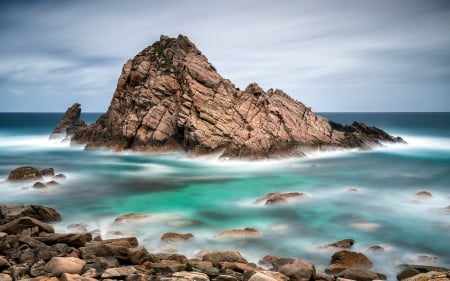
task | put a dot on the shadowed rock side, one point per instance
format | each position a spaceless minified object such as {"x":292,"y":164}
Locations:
{"x":69,"y":123}
{"x":170,"y":97}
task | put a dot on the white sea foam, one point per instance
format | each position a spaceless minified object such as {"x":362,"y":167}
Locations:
{"x":33,"y":142}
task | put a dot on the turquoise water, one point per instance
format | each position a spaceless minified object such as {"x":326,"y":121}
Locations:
{"x":205,"y":196}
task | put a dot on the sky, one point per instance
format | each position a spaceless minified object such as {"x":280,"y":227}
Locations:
{"x":333,"y":55}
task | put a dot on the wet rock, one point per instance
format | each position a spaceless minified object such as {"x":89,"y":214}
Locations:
{"x":353,"y":190}
{"x":78,"y":227}
{"x":295,"y":269}
{"x":222,"y":256}
{"x":345,"y":259}
{"x":60,"y":265}
{"x":26,"y":224}
{"x":427,"y":260}
{"x":406,"y":272}
{"x":204,"y":267}
{"x":269,"y":260}
{"x":60,"y":176}
{"x":344,"y":244}
{"x":17,"y":271}
{"x":247,"y":232}
{"x":47,"y":172}
{"x":423,"y":194}
{"x":238,"y":266}
{"x":41,"y":213}
{"x":323,"y":277}
{"x":176,"y":237}
{"x":132,"y":217}
{"x":375,"y":249}
{"x":69,"y":123}
{"x":39,"y":185}
{"x":361,"y":274}
{"x":412,"y":270}
{"x":52,"y":183}
{"x":276,"y":198}
{"x":25,"y":173}
{"x":71,"y":239}
{"x":138,"y":255}
{"x":166,"y":267}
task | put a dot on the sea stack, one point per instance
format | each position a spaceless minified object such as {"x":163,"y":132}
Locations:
{"x":169,"y":97}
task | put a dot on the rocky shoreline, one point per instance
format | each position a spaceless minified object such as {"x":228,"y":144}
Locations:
{"x":31,"y":250}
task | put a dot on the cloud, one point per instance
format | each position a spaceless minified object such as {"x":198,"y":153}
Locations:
{"x":325,"y":53}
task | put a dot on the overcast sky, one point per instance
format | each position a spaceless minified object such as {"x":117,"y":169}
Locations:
{"x":333,"y":55}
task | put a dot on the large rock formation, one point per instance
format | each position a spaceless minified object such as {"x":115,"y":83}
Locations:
{"x":69,"y":123}
{"x":170,"y":97}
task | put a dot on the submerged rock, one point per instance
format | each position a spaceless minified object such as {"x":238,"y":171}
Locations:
{"x":247,"y":232}
{"x":276,"y":198}
{"x":176,"y":237}
{"x":170,"y":97}
{"x":423,"y":194}
{"x":344,"y":244}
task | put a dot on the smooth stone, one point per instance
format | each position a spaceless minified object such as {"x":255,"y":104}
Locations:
{"x":345,"y":259}
{"x":47,"y":172}
{"x":25,"y":173}
{"x":60,"y":265}
{"x":39,"y":185}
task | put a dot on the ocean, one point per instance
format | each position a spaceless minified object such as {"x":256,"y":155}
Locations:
{"x":206,"y":195}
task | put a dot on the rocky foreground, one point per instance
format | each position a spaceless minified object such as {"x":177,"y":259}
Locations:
{"x":169,"y":97}
{"x":31,"y":250}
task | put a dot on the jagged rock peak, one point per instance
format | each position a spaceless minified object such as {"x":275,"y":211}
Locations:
{"x":69,"y":123}
{"x":169,"y":97}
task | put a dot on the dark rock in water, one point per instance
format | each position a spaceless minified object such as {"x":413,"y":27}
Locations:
{"x":48,"y":172}
{"x":41,"y":213}
{"x":407,"y":271}
{"x":39,"y":184}
{"x":170,"y":97}
{"x":359,"y":134}
{"x":361,"y":274}
{"x":174,"y":237}
{"x":375,"y":248}
{"x":52,"y":183}
{"x":423,"y":194}
{"x":60,"y":176}
{"x":345,"y":259}
{"x":247,"y":232}
{"x":24,"y":174}
{"x":69,"y":123}
{"x":276,"y":198}
{"x":344,"y":244}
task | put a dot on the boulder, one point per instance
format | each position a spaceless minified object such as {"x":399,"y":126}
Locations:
{"x":268,"y":276}
{"x":47,"y":172}
{"x":60,"y":176}
{"x":429,"y":276}
{"x":361,"y":274}
{"x":118,"y":272}
{"x":222,"y":256}
{"x":41,"y":213}
{"x":407,"y":271}
{"x":4,"y":263}
{"x":52,"y":183}
{"x":71,"y":239}
{"x":345,"y":259}
{"x":5,"y":277}
{"x":247,"y":232}
{"x":295,"y":269}
{"x":26,"y":224}
{"x":39,"y":184}
{"x":25,"y":173}
{"x":60,"y":265}
{"x":176,"y":237}
{"x":376,"y":249}
{"x":69,"y":123}
{"x":276,"y":198}
{"x":423,"y":194}
{"x":170,"y":97}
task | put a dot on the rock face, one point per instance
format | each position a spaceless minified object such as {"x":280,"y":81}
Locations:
{"x":69,"y":123}
{"x":170,"y":97}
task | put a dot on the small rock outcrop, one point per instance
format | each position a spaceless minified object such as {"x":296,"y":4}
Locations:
{"x":25,"y":173}
{"x":69,"y":123}
{"x":41,"y":213}
{"x":170,"y":97}
{"x":277,"y":198}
